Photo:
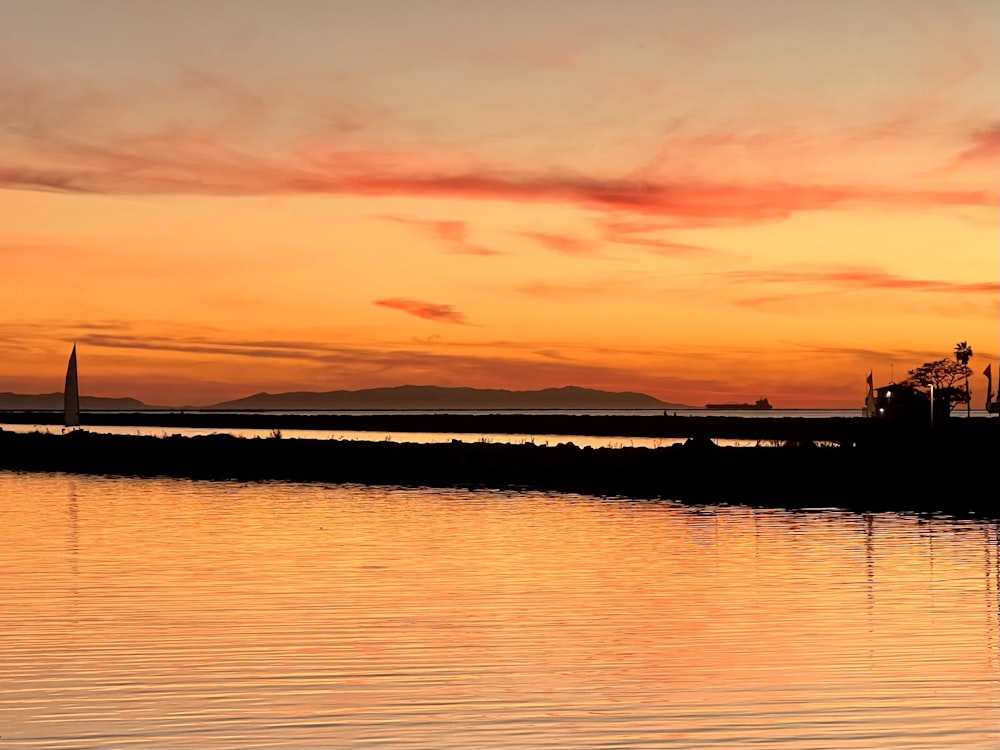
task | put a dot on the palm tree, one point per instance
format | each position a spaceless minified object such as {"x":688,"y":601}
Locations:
{"x":963,"y":353}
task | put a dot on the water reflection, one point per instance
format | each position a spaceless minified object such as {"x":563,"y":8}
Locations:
{"x":169,"y":613}
{"x":599,"y":441}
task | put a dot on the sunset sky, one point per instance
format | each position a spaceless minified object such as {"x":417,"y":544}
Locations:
{"x":700,"y":201}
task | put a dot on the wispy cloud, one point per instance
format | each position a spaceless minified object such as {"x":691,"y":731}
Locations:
{"x":895,"y":354}
{"x":564,"y":244}
{"x":568,"y":292}
{"x":951,"y":52}
{"x":157,"y":368}
{"x":862,"y":278}
{"x":679,"y":205}
{"x":454,"y":234}
{"x":637,"y":232}
{"x":804,"y":291}
{"x":425,"y":310}
{"x":297,"y":350}
{"x":55,"y":140}
{"x":323,"y":366}
{"x":785,"y":303}
{"x":983,"y":148}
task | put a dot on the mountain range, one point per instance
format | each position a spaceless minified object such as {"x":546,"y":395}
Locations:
{"x":423,"y":397}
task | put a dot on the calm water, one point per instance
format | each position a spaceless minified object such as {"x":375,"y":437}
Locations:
{"x":398,"y":437}
{"x":178,"y":614}
{"x":447,"y":437}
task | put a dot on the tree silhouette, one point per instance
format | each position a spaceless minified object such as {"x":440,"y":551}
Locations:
{"x":963,"y":353}
{"x":943,"y":374}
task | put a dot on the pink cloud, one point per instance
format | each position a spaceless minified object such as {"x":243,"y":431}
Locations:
{"x":87,"y":141}
{"x":425,"y":310}
{"x":677,"y":205}
{"x":564,"y":244}
{"x":861,"y":278}
{"x":983,"y":147}
{"x":455,"y":234}
{"x":637,"y":231}
{"x":570,"y":292}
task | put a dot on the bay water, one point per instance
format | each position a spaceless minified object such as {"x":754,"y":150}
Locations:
{"x":163,"y":613}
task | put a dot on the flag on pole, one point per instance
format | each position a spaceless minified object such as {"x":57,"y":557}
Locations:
{"x":870,"y":398}
{"x":988,"y":372}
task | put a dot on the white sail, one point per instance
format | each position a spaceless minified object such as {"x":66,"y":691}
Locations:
{"x":71,"y":394}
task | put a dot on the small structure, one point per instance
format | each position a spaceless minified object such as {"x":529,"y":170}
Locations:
{"x":906,"y":404}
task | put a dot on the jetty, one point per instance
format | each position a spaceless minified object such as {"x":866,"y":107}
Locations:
{"x":902,"y":474}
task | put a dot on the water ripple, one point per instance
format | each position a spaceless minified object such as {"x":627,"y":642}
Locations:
{"x":178,"y":614}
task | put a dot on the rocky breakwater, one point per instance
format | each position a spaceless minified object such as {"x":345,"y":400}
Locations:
{"x":907,"y":475}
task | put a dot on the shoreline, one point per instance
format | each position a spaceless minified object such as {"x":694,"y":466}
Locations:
{"x":914,"y":476}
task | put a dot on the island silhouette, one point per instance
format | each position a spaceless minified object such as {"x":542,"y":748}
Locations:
{"x":404,"y":397}
{"x":430,"y":397}
{"x":52,"y":401}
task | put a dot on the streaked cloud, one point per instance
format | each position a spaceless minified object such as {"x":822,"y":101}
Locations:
{"x":679,"y":205}
{"x":425,"y":310}
{"x":564,"y":244}
{"x":983,"y":148}
{"x":633,"y":231}
{"x":329,"y":366}
{"x":862,"y":278}
{"x":455,"y":235}
{"x":572,"y":292}
{"x":92,"y":144}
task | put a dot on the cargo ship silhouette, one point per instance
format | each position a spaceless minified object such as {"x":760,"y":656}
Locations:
{"x":761,"y":404}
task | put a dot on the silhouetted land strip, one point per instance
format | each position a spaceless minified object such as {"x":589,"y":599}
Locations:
{"x":913,"y":475}
{"x":826,"y":429}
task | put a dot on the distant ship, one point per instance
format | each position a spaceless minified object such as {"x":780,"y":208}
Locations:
{"x":761,"y":404}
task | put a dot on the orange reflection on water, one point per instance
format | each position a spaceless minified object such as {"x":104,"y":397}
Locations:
{"x":186,"y":614}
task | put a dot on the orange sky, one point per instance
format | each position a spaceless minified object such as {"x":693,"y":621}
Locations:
{"x":705,"y":203}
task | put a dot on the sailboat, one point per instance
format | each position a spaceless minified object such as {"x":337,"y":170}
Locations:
{"x":71,"y":394}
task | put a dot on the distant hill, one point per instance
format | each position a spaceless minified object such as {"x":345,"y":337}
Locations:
{"x":54,"y":401}
{"x":424,"y":397}
{"x":429,"y":397}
